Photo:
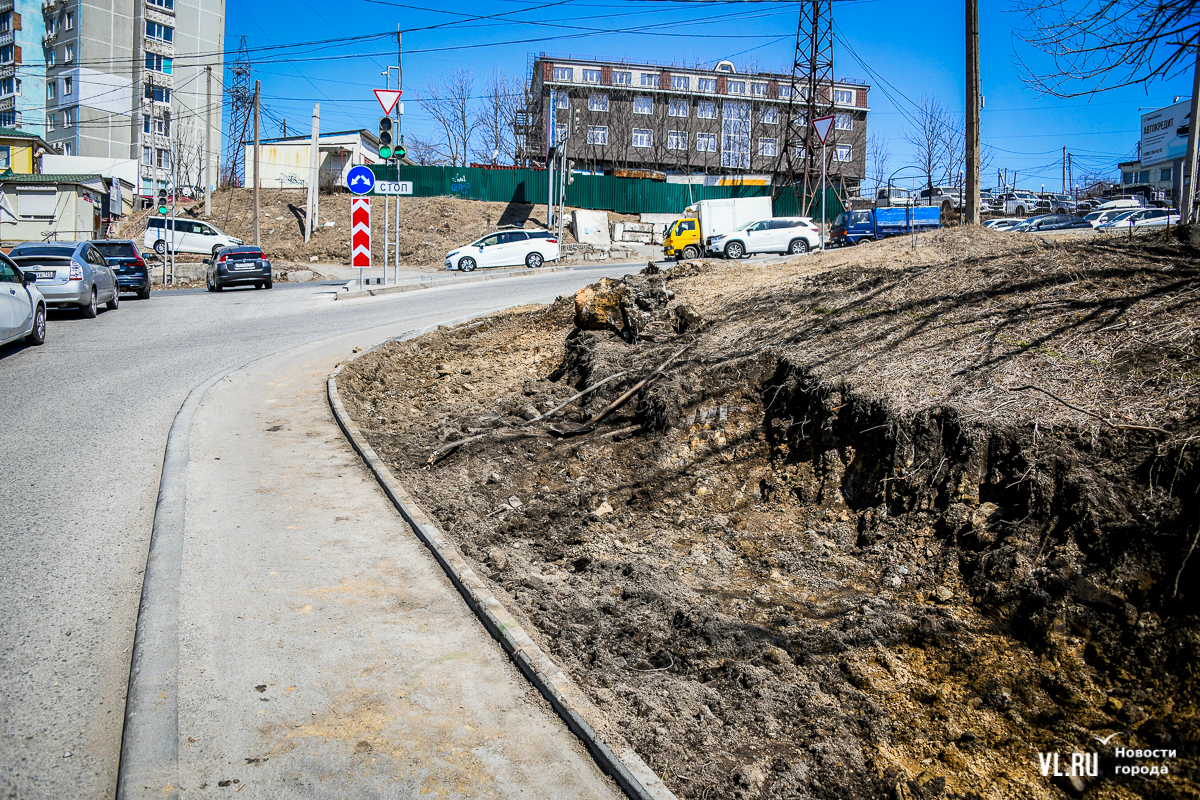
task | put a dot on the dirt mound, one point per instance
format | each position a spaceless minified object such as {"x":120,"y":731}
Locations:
{"x":901,"y":518}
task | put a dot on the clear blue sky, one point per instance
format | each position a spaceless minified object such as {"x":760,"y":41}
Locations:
{"x":916,"y":47}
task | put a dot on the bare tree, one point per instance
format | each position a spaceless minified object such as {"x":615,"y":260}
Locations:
{"x":426,"y":152}
{"x":449,"y":103}
{"x":186,"y":153}
{"x":502,"y":99}
{"x":878,"y":156}
{"x":1098,"y":45}
{"x":928,"y":140}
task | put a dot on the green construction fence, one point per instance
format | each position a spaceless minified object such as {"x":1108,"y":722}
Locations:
{"x":599,"y":192}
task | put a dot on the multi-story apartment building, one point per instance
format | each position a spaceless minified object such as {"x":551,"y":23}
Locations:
{"x":684,"y":120}
{"x":127,"y":79}
{"x":22,"y":67}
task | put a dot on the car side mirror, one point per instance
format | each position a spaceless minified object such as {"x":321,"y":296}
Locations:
{"x":28,"y":278}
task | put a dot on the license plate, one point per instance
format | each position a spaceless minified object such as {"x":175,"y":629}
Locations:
{"x":45,"y":276}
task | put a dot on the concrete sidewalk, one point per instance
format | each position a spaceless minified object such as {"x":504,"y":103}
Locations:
{"x":323,"y":652}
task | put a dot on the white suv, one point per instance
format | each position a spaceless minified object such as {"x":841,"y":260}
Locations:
{"x":186,"y":236}
{"x":794,"y":235}
{"x":506,"y":249}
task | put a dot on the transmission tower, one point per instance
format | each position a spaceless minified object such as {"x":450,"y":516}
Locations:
{"x":810,"y":97}
{"x":241,"y":102}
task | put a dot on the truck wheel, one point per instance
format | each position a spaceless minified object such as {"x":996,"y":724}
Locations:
{"x":1020,"y":211}
{"x":947,"y":208}
{"x":690,"y":252}
{"x":734,"y":250}
{"x":865,"y":240}
{"x":798,"y":247}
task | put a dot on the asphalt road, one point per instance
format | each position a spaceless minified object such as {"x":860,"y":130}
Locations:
{"x":86,"y":418}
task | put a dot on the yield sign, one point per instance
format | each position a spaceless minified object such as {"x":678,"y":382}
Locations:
{"x":821,"y":126}
{"x":387,"y":98}
{"x":360,"y":233}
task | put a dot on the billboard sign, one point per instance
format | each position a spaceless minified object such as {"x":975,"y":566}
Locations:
{"x":1165,"y":133}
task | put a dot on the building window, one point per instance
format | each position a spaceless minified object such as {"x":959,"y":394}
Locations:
{"x":168,"y":4}
{"x":677,"y":140}
{"x":706,"y":142}
{"x":597,"y":134}
{"x":681,"y":82}
{"x":159,"y":94}
{"x":591,"y":76}
{"x":678,"y":108}
{"x":162,"y":125}
{"x":51,"y":57}
{"x":643,"y":137}
{"x":841,"y":152}
{"x":785,"y":92}
{"x":766,"y":146}
{"x":1128,"y":178}
{"x":158,"y":63}
{"x":843,"y":122}
{"x":163,"y":33}
{"x":706,"y":110}
{"x":843,"y":97}
{"x":562,"y":100}
{"x":68,"y":54}
{"x":50,"y":122}
{"x":800,"y":151}
{"x":68,"y":117}
{"x":6,"y":22}
{"x":52,"y":27}
{"x":735,"y":135}
{"x":769,"y":115}
{"x":650,"y":79}
{"x":147,"y":156}
{"x":643,"y":105}
{"x":1144,"y":176}
{"x":69,"y":21}
{"x":6,"y":53}
{"x":164,"y":158}
{"x":1164,"y":174}
{"x":597,"y":102}
{"x":564,"y":73}
{"x":7,"y":86}
{"x":623,"y":78}
{"x":758,"y":89}
{"x":735,"y":87}
{"x":5,"y":157}
{"x":68,"y":148}
{"x":68,"y":85}
{"x":50,"y":94}
{"x":706,"y":84}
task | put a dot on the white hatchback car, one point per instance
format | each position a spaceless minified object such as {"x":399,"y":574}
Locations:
{"x":22,"y":308}
{"x":793,"y":235}
{"x":186,"y":236}
{"x":506,"y":249}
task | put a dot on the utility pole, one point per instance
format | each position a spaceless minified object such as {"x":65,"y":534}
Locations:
{"x":1064,"y":169}
{"x":973,"y":116}
{"x":1187,"y":208}
{"x":314,"y":170}
{"x":285,"y":129}
{"x":206,"y":163}
{"x":399,"y":139}
{"x":257,"y":176}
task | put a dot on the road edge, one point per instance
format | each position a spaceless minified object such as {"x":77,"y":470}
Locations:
{"x":630,"y":772}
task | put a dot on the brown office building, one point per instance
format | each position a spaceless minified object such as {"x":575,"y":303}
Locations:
{"x":612,"y":115}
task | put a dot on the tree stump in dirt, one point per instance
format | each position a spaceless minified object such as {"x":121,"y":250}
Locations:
{"x":627,"y":306}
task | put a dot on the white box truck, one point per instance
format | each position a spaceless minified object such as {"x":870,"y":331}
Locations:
{"x":688,"y":236}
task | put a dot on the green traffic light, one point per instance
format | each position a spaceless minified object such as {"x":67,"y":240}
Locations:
{"x":400,"y":151}
{"x":162,"y":210}
{"x":385,"y":152}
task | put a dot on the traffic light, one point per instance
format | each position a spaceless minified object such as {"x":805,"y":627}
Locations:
{"x":162,"y":202}
{"x":385,"y":137}
{"x":570,"y":172}
{"x":399,"y":151}
{"x":577,"y":120}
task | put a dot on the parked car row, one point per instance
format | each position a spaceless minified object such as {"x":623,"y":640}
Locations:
{"x":1117,"y":219}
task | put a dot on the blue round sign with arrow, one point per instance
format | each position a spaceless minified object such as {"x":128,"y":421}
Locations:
{"x":360,"y":180}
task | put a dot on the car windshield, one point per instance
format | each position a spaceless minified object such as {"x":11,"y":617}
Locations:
{"x":42,"y":250}
{"x":1094,"y":215}
{"x":116,"y":249}
{"x":1122,"y":215}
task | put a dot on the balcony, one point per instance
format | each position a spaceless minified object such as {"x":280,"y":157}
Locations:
{"x":50,"y":7}
{"x":49,"y":39}
{"x":158,"y":47}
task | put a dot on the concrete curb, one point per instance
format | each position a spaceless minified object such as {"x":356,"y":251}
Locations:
{"x":412,"y":287}
{"x":149,"y":765}
{"x":627,"y":768}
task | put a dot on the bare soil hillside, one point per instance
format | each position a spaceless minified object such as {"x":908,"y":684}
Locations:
{"x":897,"y":520}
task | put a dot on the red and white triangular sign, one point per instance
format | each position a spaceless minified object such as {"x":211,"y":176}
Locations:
{"x":821,"y":126}
{"x":387,"y":98}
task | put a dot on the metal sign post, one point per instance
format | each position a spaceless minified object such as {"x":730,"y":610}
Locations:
{"x":360,"y":181}
{"x":821,"y":126}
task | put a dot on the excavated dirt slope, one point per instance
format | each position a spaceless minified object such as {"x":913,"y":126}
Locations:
{"x":898,"y":520}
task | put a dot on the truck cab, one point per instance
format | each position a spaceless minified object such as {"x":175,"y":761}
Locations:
{"x":683,"y":239}
{"x":851,"y":227}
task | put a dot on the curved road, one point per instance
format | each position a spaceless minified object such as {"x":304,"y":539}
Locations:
{"x":86,"y":419}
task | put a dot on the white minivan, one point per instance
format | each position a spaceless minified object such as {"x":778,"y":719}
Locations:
{"x":186,"y":236}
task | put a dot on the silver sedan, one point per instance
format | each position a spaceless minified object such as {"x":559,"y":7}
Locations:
{"x":69,"y":274}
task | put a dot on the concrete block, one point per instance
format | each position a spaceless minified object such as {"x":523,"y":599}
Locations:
{"x":643,"y":238}
{"x":618,"y":231}
{"x":300,"y":275}
{"x":591,"y":227}
{"x":639,"y":227}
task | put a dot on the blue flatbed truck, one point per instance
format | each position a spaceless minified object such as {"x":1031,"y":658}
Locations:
{"x":852,"y":227}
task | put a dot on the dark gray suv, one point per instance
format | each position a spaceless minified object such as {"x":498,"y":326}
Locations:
{"x":244,"y":265}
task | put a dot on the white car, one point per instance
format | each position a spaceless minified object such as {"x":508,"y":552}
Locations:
{"x":1153,"y":217}
{"x":506,"y":249}
{"x":793,"y":235}
{"x":1004,"y":224}
{"x":186,"y":236}
{"x":22,"y":307}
